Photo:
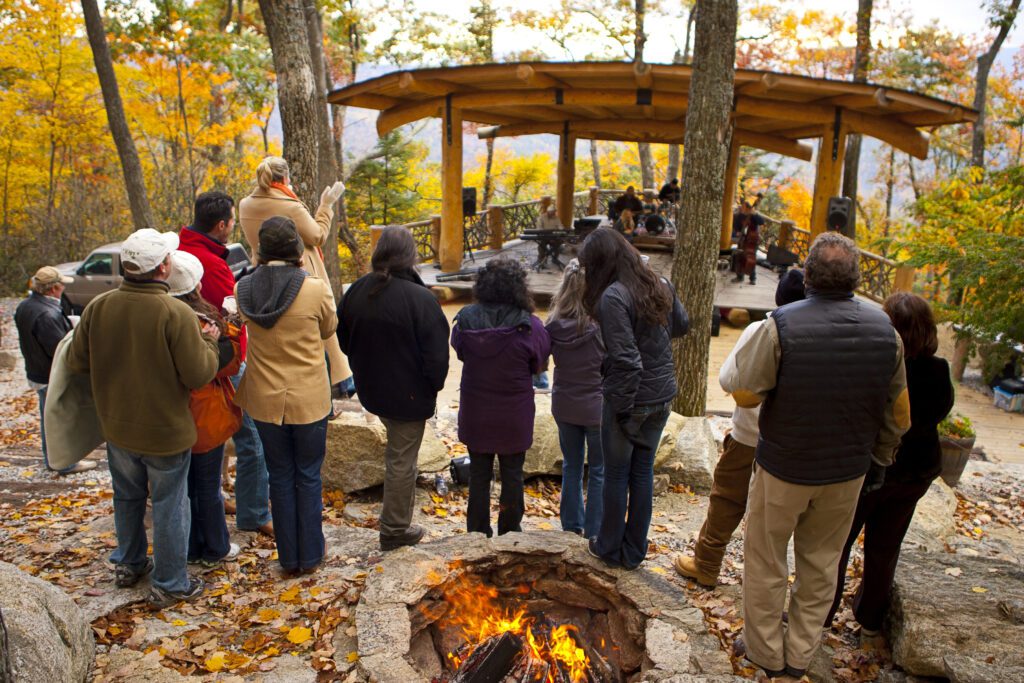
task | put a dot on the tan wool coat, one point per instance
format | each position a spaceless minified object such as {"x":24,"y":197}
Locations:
{"x":258,"y":207}
{"x":285,"y":380}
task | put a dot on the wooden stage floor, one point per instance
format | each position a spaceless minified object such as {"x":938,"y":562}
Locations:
{"x":728,"y":294}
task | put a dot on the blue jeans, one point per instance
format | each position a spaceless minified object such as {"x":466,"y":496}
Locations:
{"x":208,"y":535}
{"x":252,"y":495}
{"x":574,"y":440}
{"x":294,"y":456}
{"x":135,"y":477}
{"x":628,"y":485}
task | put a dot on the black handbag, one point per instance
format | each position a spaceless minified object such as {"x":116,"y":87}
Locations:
{"x":459,"y":469}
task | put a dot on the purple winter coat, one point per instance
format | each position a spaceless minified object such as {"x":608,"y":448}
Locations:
{"x":576,"y":393}
{"x":501,"y":348}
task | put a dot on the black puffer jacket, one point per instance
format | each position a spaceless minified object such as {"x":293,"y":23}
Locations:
{"x":638,"y":369}
{"x":41,"y":325}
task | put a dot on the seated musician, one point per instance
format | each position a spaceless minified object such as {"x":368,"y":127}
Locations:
{"x":669,"y":193}
{"x":625,"y":223}
{"x":547,"y":219}
{"x":627,"y":201}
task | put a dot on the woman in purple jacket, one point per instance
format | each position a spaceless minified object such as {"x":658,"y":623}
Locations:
{"x":576,"y":401}
{"x":501,"y":346}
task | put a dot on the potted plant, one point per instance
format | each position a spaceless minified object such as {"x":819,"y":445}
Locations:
{"x":956,"y":439}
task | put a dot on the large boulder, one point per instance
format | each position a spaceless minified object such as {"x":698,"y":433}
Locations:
{"x":545,"y":455}
{"x":934,"y":522}
{"x":48,"y":638}
{"x":689,"y":453}
{"x":945,"y":603}
{"x":355,"y":452}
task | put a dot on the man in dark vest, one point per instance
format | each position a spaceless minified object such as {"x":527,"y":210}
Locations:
{"x":828,"y":373}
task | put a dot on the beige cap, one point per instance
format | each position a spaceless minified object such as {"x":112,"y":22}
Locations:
{"x":146,"y":249}
{"x":48,"y":275}
{"x":186,"y":273}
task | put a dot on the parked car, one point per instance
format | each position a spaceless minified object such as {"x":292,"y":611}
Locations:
{"x":101,"y":271}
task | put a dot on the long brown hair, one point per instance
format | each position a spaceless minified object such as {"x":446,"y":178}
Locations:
{"x":913,"y":319}
{"x":395,"y":252}
{"x":567,"y":303}
{"x":200,"y":305}
{"x":607,"y":257}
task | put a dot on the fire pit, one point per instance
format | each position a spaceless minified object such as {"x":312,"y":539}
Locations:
{"x":529,"y":607}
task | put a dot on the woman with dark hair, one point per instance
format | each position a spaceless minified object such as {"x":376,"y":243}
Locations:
{"x":396,"y":338}
{"x":501,"y":345}
{"x":639,"y":315}
{"x":884,"y":514}
{"x":286,"y":388}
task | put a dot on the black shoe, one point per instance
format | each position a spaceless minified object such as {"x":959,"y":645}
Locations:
{"x":161,"y":599}
{"x":738,"y":279}
{"x":126,"y":577}
{"x":739,"y":650}
{"x":411,"y":536}
{"x":795,"y":672}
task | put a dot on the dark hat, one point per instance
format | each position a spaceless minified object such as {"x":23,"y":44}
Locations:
{"x":279,"y":240}
{"x":791,"y":287}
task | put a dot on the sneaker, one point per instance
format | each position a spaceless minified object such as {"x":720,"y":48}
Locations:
{"x":233,"y":551}
{"x":80,"y":466}
{"x":687,"y":566}
{"x":739,"y":651}
{"x":161,"y":599}
{"x":411,"y":536}
{"x":126,"y":577}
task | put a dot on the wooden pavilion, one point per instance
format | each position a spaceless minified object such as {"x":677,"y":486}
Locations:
{"x":643,"y":103}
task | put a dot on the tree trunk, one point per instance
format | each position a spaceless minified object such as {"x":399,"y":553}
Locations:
{"x":890,"y":185}
{"x":296,"y":94}
{"x":487,"y":173}
{"x":643,"y":148}
{"x":673,"y":163}
{"x":862,"y":58}
{"x":595,"y":161}
{"x":708,"y":136}
{"x":689,"y":30}
{"x":142,"y":214}
{"x":985,"y":61}
{"x":646,"y":164}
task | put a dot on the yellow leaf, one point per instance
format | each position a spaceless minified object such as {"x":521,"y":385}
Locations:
{"x":659,"y":570}
{"x":299,"y":634}
{"x":315,"y":591}
{"x":215,"y":662}
{"x":179,"y":622}
{"x":266,"y":615}
{"x":545,"y":525}
{"x":291,"y":595}
{"x":979,"y":589}
{"x":352,"y":657}
{"x":440,"y":512}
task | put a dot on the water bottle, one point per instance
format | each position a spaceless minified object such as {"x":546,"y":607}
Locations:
{"x":440,"y":485}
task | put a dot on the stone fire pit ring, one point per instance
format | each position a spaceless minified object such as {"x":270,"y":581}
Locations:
{"x":674,"y":645}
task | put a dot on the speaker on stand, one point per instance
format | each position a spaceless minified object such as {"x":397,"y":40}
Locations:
{"x":841,"y":218}
{"x":468,"y":201}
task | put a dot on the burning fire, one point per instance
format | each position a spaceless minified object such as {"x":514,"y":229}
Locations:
{"x":477,"y":609}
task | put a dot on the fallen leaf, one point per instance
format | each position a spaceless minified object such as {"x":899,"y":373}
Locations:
{"x":215,"y":662}
{"x":291,"y":595}
{"x":979,"y":589}
{"x":352,"y":657}
{"x":954,"y":571}
{"x":179,"y":622}
{"x":266,"y":615}
{"x":299,"y":634}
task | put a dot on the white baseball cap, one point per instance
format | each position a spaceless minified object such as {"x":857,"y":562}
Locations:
{"x":146,"y":249}
{"x":186,"y":273}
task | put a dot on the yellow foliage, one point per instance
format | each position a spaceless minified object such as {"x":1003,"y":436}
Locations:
{"x":797,"y":200}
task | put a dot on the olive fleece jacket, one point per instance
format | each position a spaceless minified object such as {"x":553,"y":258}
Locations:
{"x":144,"y":352}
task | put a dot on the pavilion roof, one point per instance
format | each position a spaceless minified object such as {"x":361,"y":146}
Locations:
{"x":648,"y":102}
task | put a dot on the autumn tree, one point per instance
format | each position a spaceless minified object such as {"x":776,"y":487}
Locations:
{"x":131,"y":167}
{"x":707,"y":140}
{"x":1002,"y":19}
{"x":861,"y":60}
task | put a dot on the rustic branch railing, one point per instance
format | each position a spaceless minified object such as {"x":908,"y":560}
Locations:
{"x":426,"y":240}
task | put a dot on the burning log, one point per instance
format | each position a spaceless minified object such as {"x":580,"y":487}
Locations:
{"x":528,"y":670}
{"x":599,"y":668}
{"x":491,"y":661}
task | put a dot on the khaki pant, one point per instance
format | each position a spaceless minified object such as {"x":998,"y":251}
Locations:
{"x":400,"y":459}
{"x":818,"y":518}
{"x":727,"y":506}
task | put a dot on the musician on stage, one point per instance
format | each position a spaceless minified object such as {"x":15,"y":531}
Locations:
{"x":547,"y":219}
{"x":746,"y":231}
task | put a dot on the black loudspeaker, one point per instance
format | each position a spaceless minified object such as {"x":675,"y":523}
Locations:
{"x":777,"y":256}
{"x":468,"y":201}
{"x":840,"y":216}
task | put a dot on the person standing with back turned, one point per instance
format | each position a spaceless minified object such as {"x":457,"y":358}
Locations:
{"x":396,"y":337}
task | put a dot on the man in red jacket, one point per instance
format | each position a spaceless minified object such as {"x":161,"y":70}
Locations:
{"x":212,"y":224}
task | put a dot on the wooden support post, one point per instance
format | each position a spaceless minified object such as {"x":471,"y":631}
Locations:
{"x":452,"y":237}
{"x":375,"y":233}
{"x":566,"y":176}
{"x":786,"y":233}
{"x":904,"y":280}
{"x":732,"y":170}
{"x":496,"y":226}
{"x":595,"y":201}
{"x":435,"y":237}
{"x":829,"y":173}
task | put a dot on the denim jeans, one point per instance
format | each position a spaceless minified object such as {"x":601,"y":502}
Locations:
{"x":574,"y":440}
{"x":252,"y":496}
{"x":511,"y":505}
{"x":135,"y":477}
{"x":208,"y":535}
{"x":628,"y":485}
{"x":294,"y":456}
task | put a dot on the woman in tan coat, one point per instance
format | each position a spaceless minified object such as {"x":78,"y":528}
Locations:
{"x":273,"y":196}
{"x":285,"y":388}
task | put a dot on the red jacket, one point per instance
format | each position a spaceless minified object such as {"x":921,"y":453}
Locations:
{"x":218,"y":280}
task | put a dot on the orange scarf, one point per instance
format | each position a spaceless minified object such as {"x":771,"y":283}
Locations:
{"x":284,"y":188}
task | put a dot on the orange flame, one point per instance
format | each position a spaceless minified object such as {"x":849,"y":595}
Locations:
{"x":479,"y":612}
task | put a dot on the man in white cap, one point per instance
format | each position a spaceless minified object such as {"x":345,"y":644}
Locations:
{"x":145,"y":351}
{"x":41,"y":325}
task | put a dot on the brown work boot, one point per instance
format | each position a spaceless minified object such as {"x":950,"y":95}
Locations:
{"x":687,"y":566}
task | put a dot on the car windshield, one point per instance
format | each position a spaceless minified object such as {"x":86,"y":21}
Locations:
{"x":98,"y":264}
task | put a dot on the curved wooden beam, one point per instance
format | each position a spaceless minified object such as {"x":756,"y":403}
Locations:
{"x":786,"y":111}
{"x":773,"y":143}
{"x":891,"y":130}
{"x":408,"y":82}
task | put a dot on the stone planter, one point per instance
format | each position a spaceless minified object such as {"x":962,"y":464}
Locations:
{"x":955,"y":454}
